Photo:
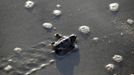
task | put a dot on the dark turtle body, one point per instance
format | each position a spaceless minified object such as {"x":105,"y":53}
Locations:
{"x":64,"y":44}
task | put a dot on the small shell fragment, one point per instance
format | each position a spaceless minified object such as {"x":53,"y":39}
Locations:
{"x":95,"y":38}
{"x":29,"y":4}
{"x":47,"y":25}
{"x":8,"y":68}
{"x":31,"y":71}
{"x":53,"y":51}
{"x":57,"y":12}
{"x":109,"y":67}
{"x":132,"y":52}
{"x":130,"y":21}
{"x":52,"y":61}
{"x":114,"y":74}
{"x":44,"y":65}
{"x":121,"y":33}
{"x":10,"y":60}
{"x":114,"y":6}
{"x":117,"y":58}
{"x":58,"y":5}
{"x":36,"y":69}
{"x":84,"y":29}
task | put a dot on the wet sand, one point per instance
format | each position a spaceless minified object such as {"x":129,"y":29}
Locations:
{"x":20,"y":27}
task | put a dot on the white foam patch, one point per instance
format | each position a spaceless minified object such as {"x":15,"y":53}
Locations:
{"x":29,"y":4}
{"x":109,"y":67}
{"x":114,"y":6}
{"x":117,"y":58}
{"x":84,"y":29}
{"x":130,"y":21}
{"x":57,"y":12}
{"x":8,"y":68}
{"x":47,"y":25}
{"x":17,"y":49}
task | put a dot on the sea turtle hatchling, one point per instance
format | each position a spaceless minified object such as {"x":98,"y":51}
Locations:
{"x":64,"y":44}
